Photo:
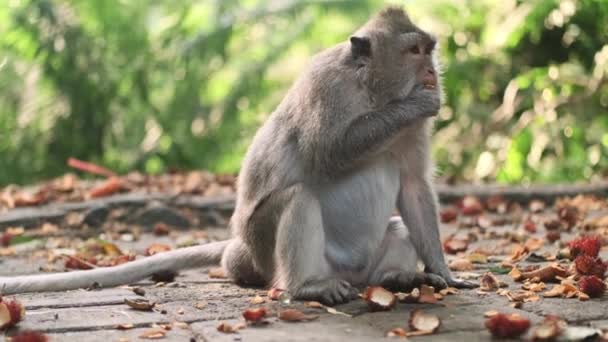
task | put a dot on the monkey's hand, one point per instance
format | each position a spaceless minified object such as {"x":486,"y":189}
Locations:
{"x":425,"y":101}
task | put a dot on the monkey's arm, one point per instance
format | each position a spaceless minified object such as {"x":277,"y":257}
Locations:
{"x":417,"y":204}
{"x":369,"y":133}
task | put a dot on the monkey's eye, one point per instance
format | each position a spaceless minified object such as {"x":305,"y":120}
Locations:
{"x":415,"y":50}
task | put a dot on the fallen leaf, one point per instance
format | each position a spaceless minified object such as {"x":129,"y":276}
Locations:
{"x":534,"y":243}
{"x":547,"y":274}
{"x":336,"y":312}
{"x":140,"y":304}
{"x":90,"y":167}
{"x":477,"y":258}
{"x":109,"y":187}
{"x":315,"y":305}
{"x":453,"y":245}
{"x":156,"y":248}
{"x":293,"y":315}
{"x":201,"y":305}
{"x":515,"y":274}
{"x":153,"y":334}
{"x":489,"y":282}
{"x":490,"y":313}
{"x":412,"y":297}
{"x":257,"y":300}
{"x":549,"y":329}
{"x":397,"y":332}
{"x":449,"y":291}
{"x":427,"y":295}
{"x":460,"y":264}
{"x":275,"y":293}
{"x":227,"y":328}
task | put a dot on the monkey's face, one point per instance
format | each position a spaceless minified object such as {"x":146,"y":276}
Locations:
{"x":398,"y":63}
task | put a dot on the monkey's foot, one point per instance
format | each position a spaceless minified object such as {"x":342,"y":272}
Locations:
{"x":399,"y":280}
{"x":329,"y":291}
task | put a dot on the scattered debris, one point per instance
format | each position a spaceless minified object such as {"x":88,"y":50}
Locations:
{"x":228,"y":328}
{"x":140,"y":304}
{"x":255,"y":315}
{"x":592,"y":286}
{"x":423,"y":323}
{"x":293,"y":315}
{"x":11,"y":312}
{"x":507,"y":325}
{"x":28,"y":336}
{"x":378,"y":298}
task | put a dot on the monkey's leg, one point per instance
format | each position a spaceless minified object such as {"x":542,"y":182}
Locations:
{"x":238,"y":263}
{"x":302,"y":268}
{"x":417,"y":204}
{"x":397,"y":259}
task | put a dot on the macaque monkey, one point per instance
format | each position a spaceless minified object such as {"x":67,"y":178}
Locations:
{"x":349,"y":143}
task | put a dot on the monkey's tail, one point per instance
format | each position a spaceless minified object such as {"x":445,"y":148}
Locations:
{"x":179,"y":259}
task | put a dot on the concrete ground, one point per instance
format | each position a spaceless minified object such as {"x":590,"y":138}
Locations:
{"x":191,"y":308}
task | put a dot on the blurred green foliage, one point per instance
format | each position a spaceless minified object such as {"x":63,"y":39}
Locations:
{"x":160,"y":84}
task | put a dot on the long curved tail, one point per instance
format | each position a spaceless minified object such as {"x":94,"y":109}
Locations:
{"x":179,"y":259}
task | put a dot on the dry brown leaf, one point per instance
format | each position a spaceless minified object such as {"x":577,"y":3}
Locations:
{"x":453,"y":245}
{"x":427,"y":295}
{"x":155,"y":248}
{"x":397,"y":332}
{"x":489,"y":282}
{"x":275,"y":293}
{"x":257,"y":300}
{"x":109,"y":187}
{"x":153,"y":334}
{"x":201,"y":305}
{"x":293,"y":315}
{"x":336,"y":312}
{"x":449,"y":291}
{"x":550,"y":273}
{"x":515,"y":274}
{"x":460,"y":265}
{"x":315,"y":305}
{"x":140,"y":304}
{"x":228,"y":328}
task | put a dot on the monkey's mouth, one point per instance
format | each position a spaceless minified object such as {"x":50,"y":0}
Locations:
{"x":429,"y":86}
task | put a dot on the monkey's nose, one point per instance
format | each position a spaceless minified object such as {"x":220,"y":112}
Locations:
{"x":430,"y":71}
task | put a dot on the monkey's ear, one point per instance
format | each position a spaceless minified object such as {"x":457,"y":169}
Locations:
{"x":360,"y":47}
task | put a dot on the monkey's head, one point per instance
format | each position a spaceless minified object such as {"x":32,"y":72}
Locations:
{"x":391,"y":55}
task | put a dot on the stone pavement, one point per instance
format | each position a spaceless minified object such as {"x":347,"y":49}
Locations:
{"x":203,"y":302}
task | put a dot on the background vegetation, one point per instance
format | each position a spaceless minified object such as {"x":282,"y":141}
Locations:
{"x":162,"y":84}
